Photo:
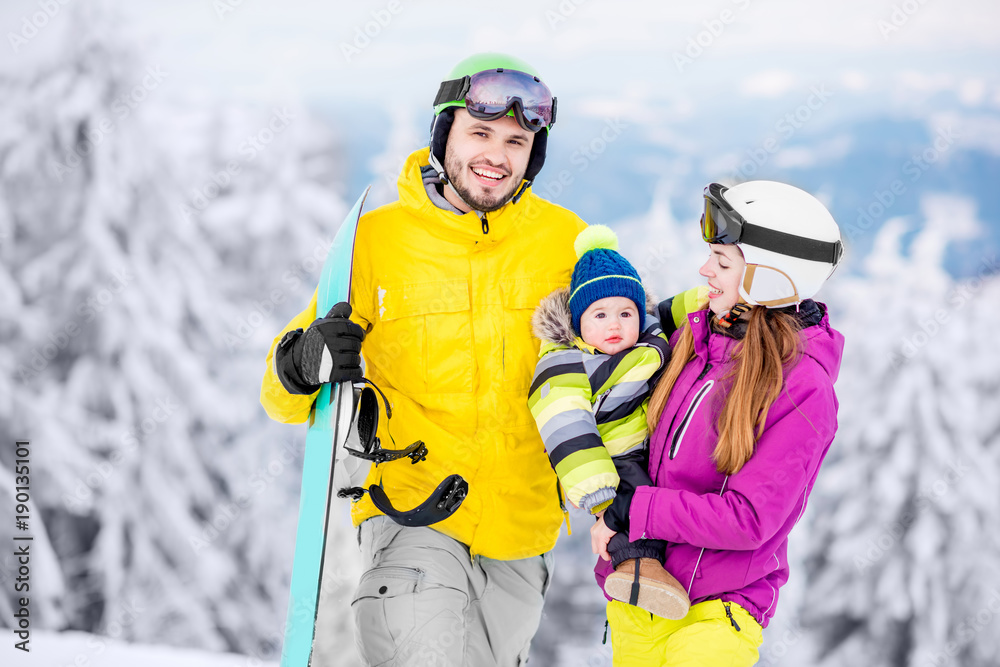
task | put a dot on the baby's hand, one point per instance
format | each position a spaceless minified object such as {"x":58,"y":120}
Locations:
{"x":600,"y":535}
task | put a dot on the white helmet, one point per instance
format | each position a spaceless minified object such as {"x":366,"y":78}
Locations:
{"x":789,"y":240}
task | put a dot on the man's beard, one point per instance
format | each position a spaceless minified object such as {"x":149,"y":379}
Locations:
{"x":486,"y":203}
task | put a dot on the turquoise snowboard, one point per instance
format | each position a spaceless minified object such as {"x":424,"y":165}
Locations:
{"x":329,"y":425}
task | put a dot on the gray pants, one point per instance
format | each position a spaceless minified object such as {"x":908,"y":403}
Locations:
{"x":424,"y":601}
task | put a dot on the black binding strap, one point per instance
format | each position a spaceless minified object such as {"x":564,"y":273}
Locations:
{"x":452,"y":91}
{"x":417,"y":452}
{"x":352,"y":492}
{"x":444,"y":500}
{"x":791,"y":245}
{"x":633,"y":598}
{"x":440,"y":505}
{"x":367,"y":425}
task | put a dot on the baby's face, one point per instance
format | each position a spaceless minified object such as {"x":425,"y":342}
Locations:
{"x":610,"y":324}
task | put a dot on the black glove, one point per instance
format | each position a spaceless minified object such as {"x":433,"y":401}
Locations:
{"x":328,"y":351}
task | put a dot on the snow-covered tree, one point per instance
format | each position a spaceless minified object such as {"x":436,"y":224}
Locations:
{"x":150,"y":248}
{"x":903,"y":559}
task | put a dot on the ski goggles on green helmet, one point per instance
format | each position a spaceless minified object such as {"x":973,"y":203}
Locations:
{"x":494,"y":93}
{"x":721,"y":223}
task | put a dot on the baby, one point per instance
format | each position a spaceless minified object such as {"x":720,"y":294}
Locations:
{"x":597,"y":368}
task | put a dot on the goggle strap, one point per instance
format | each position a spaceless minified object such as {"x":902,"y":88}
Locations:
{"x":453,"y":90}
{"x":791,"y":245}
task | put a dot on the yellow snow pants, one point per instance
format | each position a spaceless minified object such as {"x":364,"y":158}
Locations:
{"x":703,"y":638}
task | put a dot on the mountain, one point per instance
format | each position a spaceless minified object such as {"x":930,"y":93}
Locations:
{"x":868,"y":167}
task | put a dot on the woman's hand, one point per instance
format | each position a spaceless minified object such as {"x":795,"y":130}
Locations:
{"x":600,"y":535}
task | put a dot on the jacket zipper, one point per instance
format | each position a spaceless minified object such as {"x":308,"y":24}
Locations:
{"x":486,"y":224}
{"x":704,"y":372}
{"x":682,"y":427}
{"x":729,"y":613}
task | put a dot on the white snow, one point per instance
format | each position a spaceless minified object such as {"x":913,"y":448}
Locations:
{"x":81,"y":649}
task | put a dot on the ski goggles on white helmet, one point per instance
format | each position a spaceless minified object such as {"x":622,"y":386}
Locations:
{"x":494,"y":93}
{"x":722,"y":224}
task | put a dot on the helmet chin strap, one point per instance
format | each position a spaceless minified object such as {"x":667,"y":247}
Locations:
{"x":741,"y":306}
{"x":439,"y":168}
{"x":734,"y":314}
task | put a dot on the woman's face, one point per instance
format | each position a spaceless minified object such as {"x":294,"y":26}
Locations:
{"x":724,"y":270}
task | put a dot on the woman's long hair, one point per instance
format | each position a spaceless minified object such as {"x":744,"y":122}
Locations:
{"x":754,"y":380}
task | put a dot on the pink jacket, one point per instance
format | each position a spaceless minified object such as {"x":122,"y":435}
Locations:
{"x":728,"y":536}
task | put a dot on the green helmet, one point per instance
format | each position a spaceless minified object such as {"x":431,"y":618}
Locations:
{"x":510,"y":87}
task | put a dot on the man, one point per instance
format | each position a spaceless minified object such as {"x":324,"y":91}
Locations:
{"x":444,"y":285}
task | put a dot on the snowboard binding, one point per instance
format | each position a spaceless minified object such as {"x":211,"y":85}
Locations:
{"x":441,"y":503}
{"x":367,"y":425}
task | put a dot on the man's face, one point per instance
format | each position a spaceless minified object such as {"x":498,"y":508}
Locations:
{"x":485,"y":161}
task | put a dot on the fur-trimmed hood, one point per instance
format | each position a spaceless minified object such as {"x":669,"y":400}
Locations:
{"x":552,"y":321}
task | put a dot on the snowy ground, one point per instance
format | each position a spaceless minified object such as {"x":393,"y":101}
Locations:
{"x":80,"y":649}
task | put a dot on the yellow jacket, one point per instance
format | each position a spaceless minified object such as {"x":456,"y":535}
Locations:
{"x":447,"y":306}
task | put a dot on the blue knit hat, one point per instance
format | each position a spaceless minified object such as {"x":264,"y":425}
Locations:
{"x":601,"y":272}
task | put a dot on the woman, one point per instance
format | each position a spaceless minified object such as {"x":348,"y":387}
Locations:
{"x":741,"y":420}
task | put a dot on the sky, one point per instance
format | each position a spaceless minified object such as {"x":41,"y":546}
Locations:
{"x":394,"y":50}
{"x":711,"y":80}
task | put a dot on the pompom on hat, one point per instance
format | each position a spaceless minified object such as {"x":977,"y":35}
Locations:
{"x":601,"y":272}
